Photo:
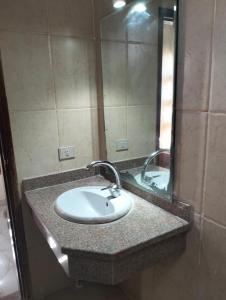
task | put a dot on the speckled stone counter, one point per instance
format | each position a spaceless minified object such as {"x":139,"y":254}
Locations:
{"x":108,"y":253}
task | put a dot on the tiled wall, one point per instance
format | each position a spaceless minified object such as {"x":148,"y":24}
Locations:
{"x":48,"y":51}
{"x":129,"y":66}
{"x":200,"y":273}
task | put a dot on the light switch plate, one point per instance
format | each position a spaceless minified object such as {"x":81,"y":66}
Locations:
{"x":122,"y":145}
{"x":66,"y":153}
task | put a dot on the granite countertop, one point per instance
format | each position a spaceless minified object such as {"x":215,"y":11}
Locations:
{"x":145,"y":225}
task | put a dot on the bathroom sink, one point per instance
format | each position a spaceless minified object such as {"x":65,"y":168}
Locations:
{"x":92,"y":205}
{"x":158,"y":179}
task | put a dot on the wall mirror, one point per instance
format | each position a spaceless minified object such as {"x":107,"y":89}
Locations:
{"x":138,"y":52}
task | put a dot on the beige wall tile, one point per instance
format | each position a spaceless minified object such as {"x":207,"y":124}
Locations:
{"x":35,"y":141}
{"x":176,"y":278}
{"x":74,"y":72}
{"x":179,"y":278}
{"x":27,"y":72}
{"x":215,"y":188}
{"x":114,"y":63}
{"x":142,"y":70}
{"x":218,"y":102}
{"x":78,"y":128}
{"x":115,"y":129}
{"x":141,"y":128}
{"x":213,"y":262}
{"x":71,"y":17}
{"x":24,"y":15}
{"x":140,"y":285}
{"x":90,"y":291}
{"x":196,"y":20}
{"x":190,"y":147}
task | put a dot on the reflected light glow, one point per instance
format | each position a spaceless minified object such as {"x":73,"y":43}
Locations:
{"x":119,"y":3}
{"x":139,"y":7}
{"x":52,"y":243}
{"x":139,"y":16}
{"x":62,"y":259}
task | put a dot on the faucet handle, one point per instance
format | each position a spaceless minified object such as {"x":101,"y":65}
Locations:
{"x":109,"y":187}
{"x":113,"y":189}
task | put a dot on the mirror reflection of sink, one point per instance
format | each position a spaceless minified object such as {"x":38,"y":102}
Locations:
{"x":158,"y":179}
{"x":92,"y":205}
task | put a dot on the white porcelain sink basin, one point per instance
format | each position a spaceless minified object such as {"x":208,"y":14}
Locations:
{"x":92,"y":205}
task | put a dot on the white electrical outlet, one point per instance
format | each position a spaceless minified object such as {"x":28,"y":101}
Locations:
{"x":66,"y":153}
{"x":122,"y":145}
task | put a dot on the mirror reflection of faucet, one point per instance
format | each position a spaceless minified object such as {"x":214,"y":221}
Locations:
{"x":159,"y":181}
{"x":150,"y":161}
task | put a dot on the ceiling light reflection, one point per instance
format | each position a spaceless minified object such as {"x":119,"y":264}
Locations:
{"x":119,"y":3}
{"x":139,"y":7}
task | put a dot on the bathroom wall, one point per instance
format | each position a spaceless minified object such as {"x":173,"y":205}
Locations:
{"x":200,"y":273}
{"x":129,"y":65}
{"x":48,"y":52}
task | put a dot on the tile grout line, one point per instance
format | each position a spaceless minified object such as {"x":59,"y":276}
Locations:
{"x":216,"y":223}
{"x":207,"y":135}
{"x":53,"y":109}
{"x":213,"y":112}
{"x":48,"y":33}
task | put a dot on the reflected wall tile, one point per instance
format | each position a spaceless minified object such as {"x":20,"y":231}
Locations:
{"x":114,"y":64}
{"x":103,"y":8}
{"x":213,"y":261}
{"x":141,"y":127}
{"x":191,"y":143}
{"x":28,"y":77}
{"x":71,"y":17}
{"x":113,"y":26}
{"x":218,"y":102}
{"x":115,"y":129}
{"x":74,"y":72}
{"x":196,"y":20}
{"x":35,"y":139}
{"x":24,"y":15}
{"x":78,"y":128}
{"x":142,"y":70}
{"x":143,"y":27}
{"x":215,"y":193}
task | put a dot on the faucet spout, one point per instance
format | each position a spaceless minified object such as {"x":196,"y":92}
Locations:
{"x":114,"y":188}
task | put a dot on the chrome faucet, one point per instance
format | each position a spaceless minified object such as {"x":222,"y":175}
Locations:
{"x":115,"y":189}
{"x":150,"y":159}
